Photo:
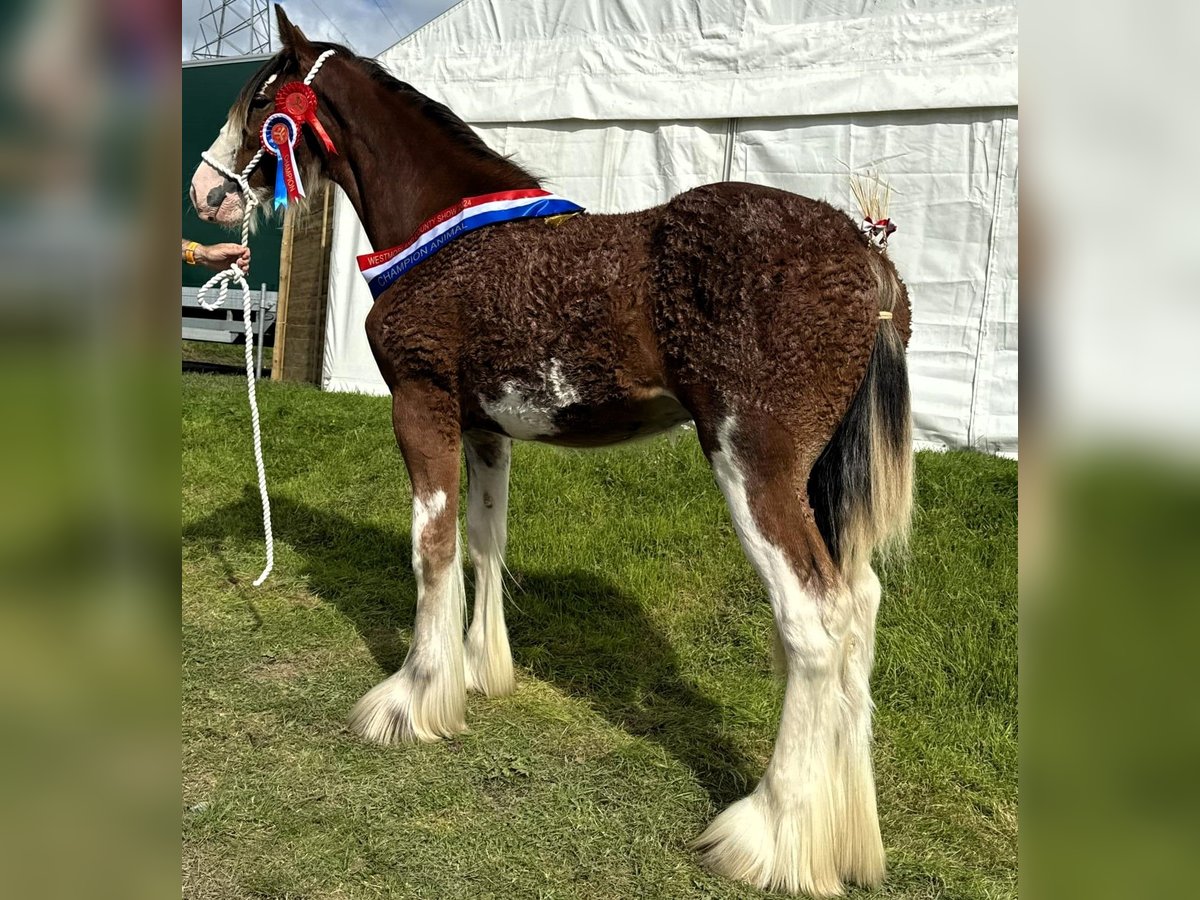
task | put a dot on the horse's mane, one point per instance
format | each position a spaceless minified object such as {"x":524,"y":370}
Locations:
{"x":437,"y":113}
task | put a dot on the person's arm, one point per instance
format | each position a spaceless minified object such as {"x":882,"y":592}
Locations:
{"x":216,"y":256}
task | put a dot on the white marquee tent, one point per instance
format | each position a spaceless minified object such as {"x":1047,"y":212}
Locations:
{"x":621,"y":104}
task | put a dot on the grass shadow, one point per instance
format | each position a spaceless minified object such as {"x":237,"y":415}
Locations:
{"x":572,"y":628}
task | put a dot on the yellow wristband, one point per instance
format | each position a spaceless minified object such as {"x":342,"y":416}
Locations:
{"x":189,"y":253}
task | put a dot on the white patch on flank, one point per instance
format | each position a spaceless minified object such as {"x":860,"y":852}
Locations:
{"x":522,"y":415}
{"x":790,"y":833}
{"x":527,"y":412}
{"x":563,"y":393}
{"x":426,"y":699}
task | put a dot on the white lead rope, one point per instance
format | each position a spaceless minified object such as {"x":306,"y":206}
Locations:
{"x":233,"y":273}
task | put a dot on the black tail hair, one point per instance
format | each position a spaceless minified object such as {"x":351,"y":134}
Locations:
{"x":860,"y":488}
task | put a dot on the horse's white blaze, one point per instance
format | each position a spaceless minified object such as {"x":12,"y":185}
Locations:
{"x":224,"y":150}
{"x":489,"y":668}
{"x":789,"y":832}
{"x":426,"y":698}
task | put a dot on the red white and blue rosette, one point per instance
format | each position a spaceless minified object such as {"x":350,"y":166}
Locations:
{"x":279,"y":135}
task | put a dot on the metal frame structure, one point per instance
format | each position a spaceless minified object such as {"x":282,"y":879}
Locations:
{"x":233,"y":28}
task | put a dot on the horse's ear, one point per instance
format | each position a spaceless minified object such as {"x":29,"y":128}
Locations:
{"x":290,"y":36}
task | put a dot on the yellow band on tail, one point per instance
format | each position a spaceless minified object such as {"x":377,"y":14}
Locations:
{"x":884,"y":314}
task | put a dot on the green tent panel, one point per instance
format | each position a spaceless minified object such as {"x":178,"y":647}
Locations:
{"x":209,"y":89}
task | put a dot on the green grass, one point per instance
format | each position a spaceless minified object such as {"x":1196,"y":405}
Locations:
{"x":217,"y":353}
{"x":645,"y":698}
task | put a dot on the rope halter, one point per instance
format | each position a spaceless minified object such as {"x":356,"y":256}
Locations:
{"x":233,"y":273}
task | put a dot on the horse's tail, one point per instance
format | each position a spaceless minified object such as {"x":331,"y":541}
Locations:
{"x":861,"y":486}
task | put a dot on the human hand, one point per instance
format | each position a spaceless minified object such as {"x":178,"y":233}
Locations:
{"x":220,"y":256}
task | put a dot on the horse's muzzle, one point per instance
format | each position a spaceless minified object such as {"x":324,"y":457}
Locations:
{"x":215,"y":197}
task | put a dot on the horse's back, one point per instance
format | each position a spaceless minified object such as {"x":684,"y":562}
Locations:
{"x":721,"y":245}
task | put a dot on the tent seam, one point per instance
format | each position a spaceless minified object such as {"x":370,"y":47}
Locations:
{"x":989,"y":270}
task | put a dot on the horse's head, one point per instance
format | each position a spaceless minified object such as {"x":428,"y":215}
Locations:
{"x":218,"y":198}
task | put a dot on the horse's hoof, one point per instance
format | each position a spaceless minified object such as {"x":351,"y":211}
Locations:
{"x":407,"y":708}
{"x":487,"y":676}
{"x":749,"y":842}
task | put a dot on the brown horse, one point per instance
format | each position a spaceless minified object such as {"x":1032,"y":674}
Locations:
{"x":766,"y":318}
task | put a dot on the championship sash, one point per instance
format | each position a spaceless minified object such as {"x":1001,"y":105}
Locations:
{"x":383,"y":267}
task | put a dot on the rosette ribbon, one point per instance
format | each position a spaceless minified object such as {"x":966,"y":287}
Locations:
{"x":879,"y":230}
{"x":299,"y":101}
{"x":279,"y":135}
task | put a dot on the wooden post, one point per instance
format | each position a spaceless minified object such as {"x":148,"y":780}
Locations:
{"x":285,"y":285}
{"x":303,"y":290}
{"x":262,"y":328}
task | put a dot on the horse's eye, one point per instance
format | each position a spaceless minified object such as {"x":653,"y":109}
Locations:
{"x":259,"y":101}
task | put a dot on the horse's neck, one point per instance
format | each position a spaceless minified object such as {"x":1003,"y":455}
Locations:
{"x":398,"y":167}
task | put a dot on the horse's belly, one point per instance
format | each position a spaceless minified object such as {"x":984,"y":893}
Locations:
{"x":617,"y":422}
{"x":559,"y":415}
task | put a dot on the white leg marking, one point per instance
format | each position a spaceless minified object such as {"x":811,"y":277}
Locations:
{"x":785,"y":835}
{"x":424,"y":511}
{"x":426,"y":699}
{"x":862,"y":859}
{"x":489,"y":666}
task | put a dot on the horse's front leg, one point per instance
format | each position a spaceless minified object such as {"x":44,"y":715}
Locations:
{"x":426,"y":699}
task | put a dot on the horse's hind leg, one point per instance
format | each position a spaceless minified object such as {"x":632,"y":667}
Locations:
{"x":788,"y":833}
{"x":861,"y":857}
{"x":489,"y":667}
{"x":426,"y":699}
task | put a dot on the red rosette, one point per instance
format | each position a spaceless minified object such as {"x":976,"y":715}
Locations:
{"x":299,"y":101}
